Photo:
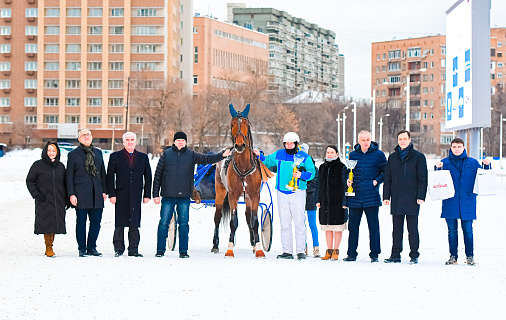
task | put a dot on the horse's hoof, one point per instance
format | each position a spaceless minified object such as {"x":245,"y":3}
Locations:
{"x":229,"y":253}
{"x":254,"y":250}
{"x":215,"y":250}
{"x":260,"y":254}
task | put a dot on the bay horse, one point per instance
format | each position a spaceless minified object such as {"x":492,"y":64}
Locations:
{"x":238,"y":175}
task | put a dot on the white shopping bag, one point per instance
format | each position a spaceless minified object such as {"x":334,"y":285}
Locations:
{"x":485,"y":183}
{"x":440,"y":185}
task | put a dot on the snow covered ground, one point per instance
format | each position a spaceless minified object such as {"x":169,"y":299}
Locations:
{"x":208,"y":286}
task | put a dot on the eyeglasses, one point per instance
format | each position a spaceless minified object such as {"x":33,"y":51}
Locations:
{"x":86,"y":135}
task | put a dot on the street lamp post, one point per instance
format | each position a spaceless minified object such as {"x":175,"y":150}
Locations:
{"x":500,"y":142}
{"x":407,"y":101}
{"x":381,"y":130}
{"x":354,"y":123}
{"x":344,"y":130}
{"x":373,"y":121}
{"x":338,"y":132}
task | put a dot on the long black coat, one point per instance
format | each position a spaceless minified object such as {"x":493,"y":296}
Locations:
{"x":312,"y":191}
{"x":331,"y":180}
{"x":405,"y":182}
{"x":129,"y":185}
{"x":87,"y":188}
{"x":47,"y":178}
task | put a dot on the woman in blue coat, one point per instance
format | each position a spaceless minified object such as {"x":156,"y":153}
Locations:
{"x":463,"y":204}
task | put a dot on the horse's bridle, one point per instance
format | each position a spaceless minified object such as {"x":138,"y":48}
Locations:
{"x":248,"y":142}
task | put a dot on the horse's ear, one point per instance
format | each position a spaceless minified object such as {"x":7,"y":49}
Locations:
{"x":232,"y":110}
{"x":245,"y":111}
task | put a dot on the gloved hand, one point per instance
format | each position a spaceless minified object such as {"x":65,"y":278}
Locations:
{"x":40,"y":197}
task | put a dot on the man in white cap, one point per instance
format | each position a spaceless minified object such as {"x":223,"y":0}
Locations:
{"x":291,"y":201}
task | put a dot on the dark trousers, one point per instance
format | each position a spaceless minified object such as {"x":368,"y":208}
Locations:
{"x":95,"y":216}
{"x":397,"y":235}
{"x":134,"y":238}
{"x":371,"y":213}
{"x":453,"y":236}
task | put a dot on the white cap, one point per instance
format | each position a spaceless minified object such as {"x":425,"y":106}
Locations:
{"x":304,"y":147}
{"x":291,"y":137}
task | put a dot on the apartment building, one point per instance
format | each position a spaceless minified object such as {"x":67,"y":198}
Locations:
{"x":302,"y":56}
{"x":72,"y":62}
{"x":226,"y":55}
{"x":497,"y":58}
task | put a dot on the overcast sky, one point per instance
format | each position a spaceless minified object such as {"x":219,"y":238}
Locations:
{"x":358,"y":23}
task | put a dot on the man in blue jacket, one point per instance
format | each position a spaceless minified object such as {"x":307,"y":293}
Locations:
{"x":367,"y":176}
{"x":462,"y":206}
{"x":174,"y":175}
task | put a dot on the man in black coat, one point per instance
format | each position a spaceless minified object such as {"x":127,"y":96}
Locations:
{"x":406,"y":185}
{"x":174,"y":175}
{"x":87,"y":189}
{"x":129,"y":181}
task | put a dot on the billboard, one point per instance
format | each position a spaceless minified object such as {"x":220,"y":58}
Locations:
{"x":468,"y":65}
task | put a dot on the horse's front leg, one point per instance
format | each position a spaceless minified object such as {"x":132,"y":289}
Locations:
{"x":234,"y":223}
{"x":253,"y":222}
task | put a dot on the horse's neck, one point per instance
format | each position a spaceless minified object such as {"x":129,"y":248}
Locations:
{"x":243,"y":159}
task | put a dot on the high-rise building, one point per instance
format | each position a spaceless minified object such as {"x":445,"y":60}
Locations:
{"x":226,"y":55}
{"x":498,"y":58}
{"x":71,"y":62}
{"x":302,"y":56}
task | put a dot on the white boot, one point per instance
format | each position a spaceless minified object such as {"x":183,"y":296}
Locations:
{"x":316,"y":252}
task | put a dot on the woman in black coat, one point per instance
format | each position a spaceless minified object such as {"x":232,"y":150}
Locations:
{"x":46,"y":184}
{"x":333,"y":216}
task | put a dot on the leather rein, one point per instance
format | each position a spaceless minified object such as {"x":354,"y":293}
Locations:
{"x":248,"y":141}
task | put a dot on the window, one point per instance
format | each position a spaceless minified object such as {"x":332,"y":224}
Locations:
{"x":425,"y":65}
{"x":5,"y":30}
{"x":94,"y":102}
{"x":73,"y":12}
{"x":425,"y":91}
{"x":32,"y":12}
{"x":73,"y":48}
{"x":115,"y":102}
{"x":117,"y":12}
{"x":115,"y":84}
{"x":5,"y":66}
{"x":142,"y":66}
{"x":73,"y":66}
{"x":95,"y":12}
{"x":499,"y":54}
{"x":50,"y":119}
{"x":30,"y":102}
{"x":52,"y":12}
{"x":431,"y":103}
{"x":115,"y":119}
{"x":146,"y":13}
{"x":144,"y":30}
{"x":116,"y":48}
{"x":71,"y":119}
{"x":94,"y":66}
{"x":30,"y":66}
{"x":383,"y":93}
{"x":51,"y":84}
{"x":72,"y":102}
{"x":5,"y":84}
{"x":115,"y":66}
{"x":30,"y":30}
{"x":499,"y":44}
{"x":431,"y":89}
{"x":116,"y":30}
{"x":5,"y":119}
{"x":5,"y":13}
{"x":384,"y":56}
{"x":432,"y":115}
{"x":492,"y":52}
{"x":499,"y":75}
{"x":415,"y":115}
{"x":94,"y":84}
{"x":146,"y":48}
{"x":394,"y":66}
{"x":74,"y":30}
{"x":73,"y":84}
{"x":195,"y":79}
{"x":425,"y":78}
{"x":383,"y":68}
{"x":500,"y":64}
{"x":30,"y":48}
{"x":5,"y":102}
{"x":94,"y":48}
{"x":51,"y":101}
{"x":377,"y":57}
{"x":414,"y":52}
{"x":51,"y":66}
{"x":137,"y":120}
{"x":394,"y":79}
{"x":395,"y":54}
{"x":30,"y":119}
{"x":52,"y":48}
{"x":443,"y":50}
{"x":94,"y":119}
{"x":432,"y":64}
{"x":377,"y":69}
{"x":95,"y":30}
{"x":5,"y":48}
{"x":196,"y":55}
{"x":52,"y":30}
{"x":425,"y":103}
{"x":196,"y":31}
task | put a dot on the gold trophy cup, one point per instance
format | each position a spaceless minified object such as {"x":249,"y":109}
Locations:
{"x":293,"y":184}
{"x":351,"y":165}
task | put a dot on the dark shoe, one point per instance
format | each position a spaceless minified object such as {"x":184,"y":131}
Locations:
{"x":301,"y":256}
{"x":393,"y":260}
{"x":94,"y":252}
{"x":135,"y":254}
{"x":348,"y":258}
{"x":470,"y":261}
{"x":82,"y":253}
{"x":285,"y":256}
{"x":118,"y":254}
{"x":159,"y":254}
{"x":373,"y":260}
{"x":183,"y":255}
{"x":451,"y":261}
{"x":413,"y":261}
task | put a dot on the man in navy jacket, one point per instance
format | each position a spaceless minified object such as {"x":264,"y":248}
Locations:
{"x":463,"y":204}
{"x":367,"y":176}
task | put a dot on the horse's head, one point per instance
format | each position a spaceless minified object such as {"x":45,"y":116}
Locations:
{"x":240,"y":133}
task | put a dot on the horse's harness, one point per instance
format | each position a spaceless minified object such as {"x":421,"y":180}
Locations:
{"x":252,"y":157}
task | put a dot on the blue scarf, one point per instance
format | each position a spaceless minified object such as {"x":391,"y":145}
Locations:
{"x":404,"y":152}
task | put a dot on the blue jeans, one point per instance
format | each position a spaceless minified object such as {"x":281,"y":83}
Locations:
{"x":453,"y":236}
{"x":183,"y":216}
{"x":95,"y":219}
{"x":371,"y":213}
{"x":311,"y":219}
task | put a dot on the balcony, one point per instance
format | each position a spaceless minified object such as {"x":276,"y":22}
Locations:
{"x":7,"y":72}
{"x":7,"y":90}
{"x":30,"y":37}
{"x":6,"y":127}
{"x":7,"y":36}
{"x":30,"y":19}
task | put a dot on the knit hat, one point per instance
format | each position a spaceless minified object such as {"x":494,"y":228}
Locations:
{"x":180,"y":135}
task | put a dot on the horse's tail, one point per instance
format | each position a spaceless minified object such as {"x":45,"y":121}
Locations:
{"x":225,"y":213}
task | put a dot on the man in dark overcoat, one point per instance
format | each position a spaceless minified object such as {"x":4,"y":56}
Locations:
{"x":129,"y":181}
{"x":405,"y":189}
{"x":87,"y":189}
